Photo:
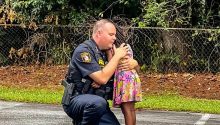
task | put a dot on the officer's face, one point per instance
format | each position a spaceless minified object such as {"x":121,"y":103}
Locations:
{"x":107,"y":35}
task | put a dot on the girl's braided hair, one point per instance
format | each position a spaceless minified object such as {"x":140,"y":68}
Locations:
{"x":120,"y":36}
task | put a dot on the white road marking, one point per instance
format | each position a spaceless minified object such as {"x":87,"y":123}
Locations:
{"x":203,"y":119}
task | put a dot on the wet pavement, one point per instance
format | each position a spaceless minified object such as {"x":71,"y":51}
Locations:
{"x":16,"y":113}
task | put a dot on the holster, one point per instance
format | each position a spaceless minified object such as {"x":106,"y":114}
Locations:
{"x":68,"y":92}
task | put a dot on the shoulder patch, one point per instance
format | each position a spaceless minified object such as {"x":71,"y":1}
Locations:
{"x":86,"y":57}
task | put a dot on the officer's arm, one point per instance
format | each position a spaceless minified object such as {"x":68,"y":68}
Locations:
{"x":102,"y":76}
{"x":128,"y":64}
{"x":132,"y":64}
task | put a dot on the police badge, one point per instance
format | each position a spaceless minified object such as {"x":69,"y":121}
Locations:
{"x":86,"y":57}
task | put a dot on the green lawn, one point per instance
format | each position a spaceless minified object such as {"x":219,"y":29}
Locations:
{"x":179,"y":103}
{"x":30,"y":95}
{"x":170,"y":102}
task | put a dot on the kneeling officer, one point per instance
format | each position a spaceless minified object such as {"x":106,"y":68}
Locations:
{"x":88,"y":66}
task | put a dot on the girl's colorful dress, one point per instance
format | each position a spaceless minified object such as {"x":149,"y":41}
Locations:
{"x":127,"y":86}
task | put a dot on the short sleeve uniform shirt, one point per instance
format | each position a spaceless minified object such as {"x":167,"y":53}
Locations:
{"x":88,"y":58}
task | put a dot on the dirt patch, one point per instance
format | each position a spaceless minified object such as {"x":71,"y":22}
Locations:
{"x":189,"y":85}
{"x":49,"y":77}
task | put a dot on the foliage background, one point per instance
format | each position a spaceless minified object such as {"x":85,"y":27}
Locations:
{"x":153,"y":13}
{"x":35,"y":18}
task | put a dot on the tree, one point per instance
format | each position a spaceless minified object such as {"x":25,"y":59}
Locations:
{"x":180,"y":13}
{"x":75,"y":12}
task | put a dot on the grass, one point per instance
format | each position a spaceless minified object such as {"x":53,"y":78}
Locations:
{"x":166,"y":101}
{"x":30,"y":95}
{"x":178,"y":103}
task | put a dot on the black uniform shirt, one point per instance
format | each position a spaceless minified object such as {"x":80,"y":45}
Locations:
{"x":88,"y":58}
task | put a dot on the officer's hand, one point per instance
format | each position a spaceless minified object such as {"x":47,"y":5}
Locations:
{"x":95,"y":85}
{"x":127,"y":63}
{"x":121,"y":51}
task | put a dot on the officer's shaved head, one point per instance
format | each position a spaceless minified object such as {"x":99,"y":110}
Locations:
{"x":99,"y":24}
{"x":104,"y":32}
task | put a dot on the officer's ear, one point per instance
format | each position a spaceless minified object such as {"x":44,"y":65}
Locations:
{"x":99,"y":32}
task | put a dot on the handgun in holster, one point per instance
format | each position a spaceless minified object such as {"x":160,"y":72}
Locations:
{"x":68,"y":92}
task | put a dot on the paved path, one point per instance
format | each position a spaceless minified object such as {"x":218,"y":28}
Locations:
{"x":15,"y":113}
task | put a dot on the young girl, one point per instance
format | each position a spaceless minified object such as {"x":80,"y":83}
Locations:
{"x":127,"y":91}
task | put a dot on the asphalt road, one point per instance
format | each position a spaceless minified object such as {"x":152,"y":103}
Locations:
{"x":15,"y":113}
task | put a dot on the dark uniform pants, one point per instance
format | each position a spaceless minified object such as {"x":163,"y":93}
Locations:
{"x":90,"y":109}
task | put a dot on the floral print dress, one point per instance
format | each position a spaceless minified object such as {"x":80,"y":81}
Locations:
{"x":127,"y":86}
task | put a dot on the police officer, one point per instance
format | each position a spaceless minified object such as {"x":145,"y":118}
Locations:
{"x":89,"y":71}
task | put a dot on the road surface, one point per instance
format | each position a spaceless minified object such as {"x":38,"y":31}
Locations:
{"x":17,"y":113}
